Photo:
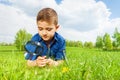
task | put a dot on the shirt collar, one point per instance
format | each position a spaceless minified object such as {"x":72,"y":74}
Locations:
{"x":55,"y":36}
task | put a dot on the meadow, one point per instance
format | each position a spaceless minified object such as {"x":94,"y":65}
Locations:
{"x":83,"y":64}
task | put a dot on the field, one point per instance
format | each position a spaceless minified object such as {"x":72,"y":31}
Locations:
{"x":83,"y":64}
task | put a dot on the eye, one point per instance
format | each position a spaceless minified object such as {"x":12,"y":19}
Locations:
{"x":40,"y":29}
{"x":49,"y":29}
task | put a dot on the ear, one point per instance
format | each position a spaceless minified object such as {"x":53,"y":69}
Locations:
{"x":57,"y":27}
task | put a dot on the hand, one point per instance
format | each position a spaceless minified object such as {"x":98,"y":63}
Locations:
{"x":31,"y":63}
{"x":41,"y":61}
{"x":51,"y":62}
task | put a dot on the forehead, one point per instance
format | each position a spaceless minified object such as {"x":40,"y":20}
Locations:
{"x":44,"y":24}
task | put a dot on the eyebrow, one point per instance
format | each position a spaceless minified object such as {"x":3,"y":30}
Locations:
{"x":46,"y":28}
{"x":39,"y":26}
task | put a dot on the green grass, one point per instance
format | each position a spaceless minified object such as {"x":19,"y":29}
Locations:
{"x":83,"y":64}
{"x":8,"y":48}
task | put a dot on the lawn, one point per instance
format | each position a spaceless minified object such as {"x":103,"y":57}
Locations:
{"x":83,"y":64}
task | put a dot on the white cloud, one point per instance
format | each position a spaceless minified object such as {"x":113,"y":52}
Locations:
{"x":13,"y":19}
{"x":83,"y":15}
{"x":71,"y":34}
{"x":80,"y":20}
{"x":31,"y":7}
{"x":110,"y":27}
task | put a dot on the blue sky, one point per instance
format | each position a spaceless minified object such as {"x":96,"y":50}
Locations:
{"x":58,"y":1}
{"x":81,"y":20}
{"x":114,"y":6}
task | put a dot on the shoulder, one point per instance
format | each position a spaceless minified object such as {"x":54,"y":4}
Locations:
{"x":60,"y":42}
{"x":59,"y":38}
{"x":36,"y":37}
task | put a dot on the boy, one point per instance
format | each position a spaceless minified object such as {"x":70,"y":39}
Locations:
{"x":47,"y":22}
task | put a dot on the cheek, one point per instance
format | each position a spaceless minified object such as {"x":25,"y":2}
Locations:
{"x":51,"y":33}
{"x":40,"y":33}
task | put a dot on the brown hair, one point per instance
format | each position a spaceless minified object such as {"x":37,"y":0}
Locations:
{"x":49,"y":15}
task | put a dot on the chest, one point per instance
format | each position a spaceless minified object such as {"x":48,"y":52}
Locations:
{"x":50,"y":50}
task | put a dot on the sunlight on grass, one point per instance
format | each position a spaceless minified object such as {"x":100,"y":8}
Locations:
{"x":83,"y":64}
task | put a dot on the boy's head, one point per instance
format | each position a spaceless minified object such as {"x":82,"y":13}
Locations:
{"x":49,"y":15}
{"x":47,"y":21}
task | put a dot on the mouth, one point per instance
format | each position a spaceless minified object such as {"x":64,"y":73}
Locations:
{"x":45,"y":37}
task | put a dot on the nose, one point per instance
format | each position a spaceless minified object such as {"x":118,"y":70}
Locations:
{"x":44,"y":32}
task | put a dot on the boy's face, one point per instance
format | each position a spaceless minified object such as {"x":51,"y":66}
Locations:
{"x":46,"y":31}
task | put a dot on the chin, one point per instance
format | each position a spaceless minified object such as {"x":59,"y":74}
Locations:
{"x":46,"y":39}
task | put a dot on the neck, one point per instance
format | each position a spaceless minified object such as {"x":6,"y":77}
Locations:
{"x":48,"y":42}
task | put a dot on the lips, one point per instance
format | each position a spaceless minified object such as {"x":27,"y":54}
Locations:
{"x":44,"y":37}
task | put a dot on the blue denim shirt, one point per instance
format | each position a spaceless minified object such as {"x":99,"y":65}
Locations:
{"x":56,"y":49}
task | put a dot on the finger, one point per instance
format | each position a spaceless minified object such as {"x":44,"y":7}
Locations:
{"x":44,"y":57}
{"x":41,"y":58}
{"x":42,"y":65}
{"x":41,"y":61}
